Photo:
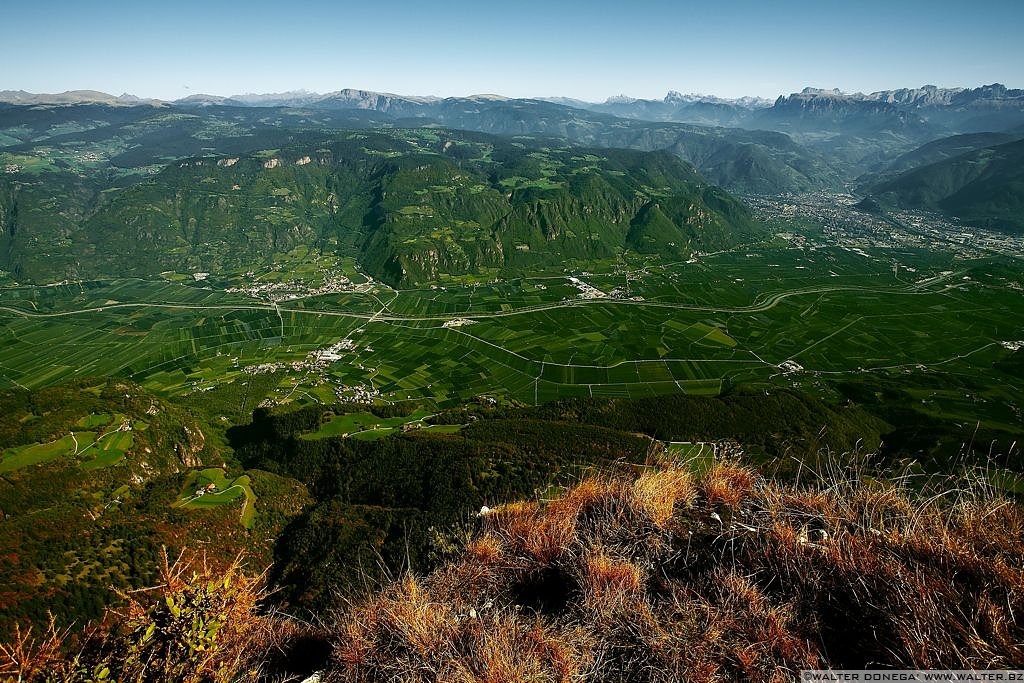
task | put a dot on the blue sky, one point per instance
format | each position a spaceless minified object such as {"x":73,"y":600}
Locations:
{"x":588,"y":50}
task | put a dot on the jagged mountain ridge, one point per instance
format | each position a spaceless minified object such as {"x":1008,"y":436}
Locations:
{"x":932,"y":96}
{"x":914,"y":115}
{"x":988,"y":107}
{"x":816,"y":110}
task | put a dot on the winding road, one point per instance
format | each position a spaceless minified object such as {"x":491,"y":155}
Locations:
{"x":759,"y":305}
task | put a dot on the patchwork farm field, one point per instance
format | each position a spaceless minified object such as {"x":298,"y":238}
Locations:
{"x":634,"y":328}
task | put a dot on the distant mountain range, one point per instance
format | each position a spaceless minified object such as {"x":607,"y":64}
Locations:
{"x":908,"y":116}
{"x":812,"y":140}
{"x":737,"y":159}
{"x":22,"y":97}
{"x":675,"y":106}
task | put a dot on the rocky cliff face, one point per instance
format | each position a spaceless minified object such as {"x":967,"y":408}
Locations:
{"x":925,"y":96}
{"x":924,"y":112}
{"x":375,"y":101}
{"x":929,"y":96}
{"x":831,"y":110}
{"x":189,"y":448}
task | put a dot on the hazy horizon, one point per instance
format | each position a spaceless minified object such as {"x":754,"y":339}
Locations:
{"x":303,"y":91}
{"x":456,"y":48}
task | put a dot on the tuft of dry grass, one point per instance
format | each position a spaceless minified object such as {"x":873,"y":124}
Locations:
{"x":728,"y":484}
{"x":406,"y":634}
{"x":485,"y":551}
{"x":658,"y":492}
{"x":610,"y":586}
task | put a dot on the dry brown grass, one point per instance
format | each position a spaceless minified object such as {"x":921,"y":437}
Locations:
{"x":659,"y":492}
{"x":725,"y":576}
{"x":728,"y":484}
{"x":610,"y":586}
{"x":486,"y":550}
{"x":405,"y":634}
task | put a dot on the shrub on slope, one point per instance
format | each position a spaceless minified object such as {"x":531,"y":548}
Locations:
{"x":196,"y":626}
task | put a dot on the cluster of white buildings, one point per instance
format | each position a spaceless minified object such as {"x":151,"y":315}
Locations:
{"x":788,"y":366}
{"x":587,"y":291}
{"x":458,"y":322}
{"x":333,"y":283}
